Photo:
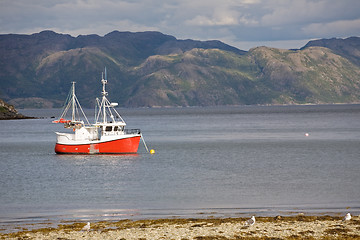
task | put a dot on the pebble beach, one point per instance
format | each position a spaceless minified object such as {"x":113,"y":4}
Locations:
{"x":279,"y":227}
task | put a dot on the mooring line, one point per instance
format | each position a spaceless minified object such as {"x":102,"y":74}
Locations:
{"x":142,"y":138}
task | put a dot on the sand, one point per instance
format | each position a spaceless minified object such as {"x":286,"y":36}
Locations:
{"x":295,"y":227}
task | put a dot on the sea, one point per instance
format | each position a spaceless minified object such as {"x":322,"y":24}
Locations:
{"x":224,"y":161}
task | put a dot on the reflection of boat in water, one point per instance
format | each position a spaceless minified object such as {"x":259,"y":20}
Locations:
{"x":107,"y":135}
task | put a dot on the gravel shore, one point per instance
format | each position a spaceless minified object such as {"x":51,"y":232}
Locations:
{"x":295,"y":227}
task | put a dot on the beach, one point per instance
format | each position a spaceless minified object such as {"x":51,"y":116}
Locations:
{"x":279,"y":227}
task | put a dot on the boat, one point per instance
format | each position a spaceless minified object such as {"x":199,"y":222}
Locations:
{"x":107,"y":135}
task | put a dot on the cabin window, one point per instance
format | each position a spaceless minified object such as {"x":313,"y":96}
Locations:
{"x":116,"y":128}
{"x":108,"y":129}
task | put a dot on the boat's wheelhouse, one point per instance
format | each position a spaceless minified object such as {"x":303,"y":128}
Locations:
{"x":112,"y":129}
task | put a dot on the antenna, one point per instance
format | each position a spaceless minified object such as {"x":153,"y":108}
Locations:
{"x":105,"y":74}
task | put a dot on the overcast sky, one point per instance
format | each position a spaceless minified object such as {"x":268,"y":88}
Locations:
{"x":240,"y":23}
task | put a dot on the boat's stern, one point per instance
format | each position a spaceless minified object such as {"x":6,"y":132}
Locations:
{"x":64,"y":137}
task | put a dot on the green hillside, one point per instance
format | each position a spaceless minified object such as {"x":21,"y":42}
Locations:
{"x":312,"y":75}
{"x":153,"y":69}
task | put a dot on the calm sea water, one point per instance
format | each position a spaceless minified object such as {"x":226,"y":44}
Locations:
{"x":219,"y":161}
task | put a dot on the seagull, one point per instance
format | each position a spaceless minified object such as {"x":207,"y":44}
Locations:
{"x":347,"y":217}
{"x":86,"y":227}
{"x":250,"y":222}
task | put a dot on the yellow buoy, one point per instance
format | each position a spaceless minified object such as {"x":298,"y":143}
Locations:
{"x":152,"y":151}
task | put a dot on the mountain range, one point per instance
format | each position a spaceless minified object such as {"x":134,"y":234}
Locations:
{"x":148,"y":69}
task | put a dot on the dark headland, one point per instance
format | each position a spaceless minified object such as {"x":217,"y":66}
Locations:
{"x":8,"y":112}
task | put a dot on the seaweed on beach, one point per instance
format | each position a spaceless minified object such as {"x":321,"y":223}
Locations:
{"x":334,"y":228}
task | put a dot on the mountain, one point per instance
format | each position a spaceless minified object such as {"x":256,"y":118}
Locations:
{"x":312,"y":75}
{"x":154,"y":69}
{"x":348,"y":48}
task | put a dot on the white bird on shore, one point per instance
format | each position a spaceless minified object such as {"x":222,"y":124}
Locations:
{"x":86,"y":227}
{"x":347,"y":217}
{"x":250,"y":222}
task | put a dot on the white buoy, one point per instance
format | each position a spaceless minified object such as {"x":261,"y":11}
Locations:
{"x":306,"y":134}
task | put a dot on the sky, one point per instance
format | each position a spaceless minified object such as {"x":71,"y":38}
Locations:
{"x":241,"y":23}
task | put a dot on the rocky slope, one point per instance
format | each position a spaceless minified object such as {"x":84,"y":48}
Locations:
{"x":153,"y":69}
{"x":8,"y":112}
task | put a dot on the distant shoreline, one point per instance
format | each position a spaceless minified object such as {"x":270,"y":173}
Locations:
{"x":279,"y":227}
{"x":243,"y":109}
{"x":17,"y":118}
{"x":14,"y":116}
{"x":228,"y":105}
{"x":8,"y":112}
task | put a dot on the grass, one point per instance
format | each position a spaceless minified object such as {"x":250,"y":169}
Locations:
{"x":3,"y":109}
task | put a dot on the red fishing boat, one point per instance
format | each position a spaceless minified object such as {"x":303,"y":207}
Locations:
{"x":107,"y":135}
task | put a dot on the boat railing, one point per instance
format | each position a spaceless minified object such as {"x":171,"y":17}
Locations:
{"x":132,"y":131}
{"x":61,"y":137}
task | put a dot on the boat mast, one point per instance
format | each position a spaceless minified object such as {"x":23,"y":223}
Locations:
{"x":73,"y":102}
{"x":105,"y":107}
{"x":104,"y":93}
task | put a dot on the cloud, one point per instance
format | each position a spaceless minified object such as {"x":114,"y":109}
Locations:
{"x":236,"y":21}
{"x":228,"y":13}
{"x":285,"y":13}
{"x":341,"y":28}
{"x":220,"y":20}
{"x":205,"y":13}
{"x":69,"y":15}
{"x":309,"y":16}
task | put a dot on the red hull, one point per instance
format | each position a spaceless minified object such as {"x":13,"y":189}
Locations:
{"x":121,"y":146}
